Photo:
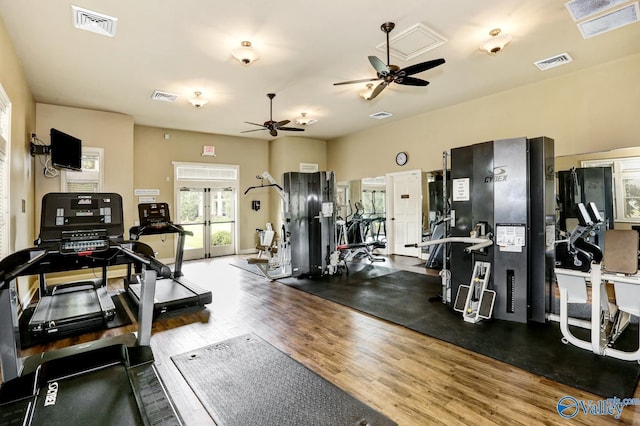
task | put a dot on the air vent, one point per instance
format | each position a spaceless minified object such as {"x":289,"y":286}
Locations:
{"x":580,"y":9}
{"x":381,"y":115}
{"x":157,"y":95}
{"x":412,"y":42}
{"x":95,"y":22}
{"x":554,"y":61}
{"x":610,"y":21}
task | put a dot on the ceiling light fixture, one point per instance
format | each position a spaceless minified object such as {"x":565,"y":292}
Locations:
{"x":245,"y":54}
{"x":366,"y":93}
{"x":303,"y":120}
{"x":497,"y":42}
{"x":198,"y":102}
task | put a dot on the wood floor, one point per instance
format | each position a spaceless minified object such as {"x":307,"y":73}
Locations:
{"x":411,"y":378}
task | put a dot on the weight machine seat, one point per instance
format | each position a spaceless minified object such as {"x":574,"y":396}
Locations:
{"x":621,"y":252}
{"x":621,"y":266}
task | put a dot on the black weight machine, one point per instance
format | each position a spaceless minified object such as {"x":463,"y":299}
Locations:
{"x":174,"y":292}
{"x":103,"y":382}
{"x":576,"y":251}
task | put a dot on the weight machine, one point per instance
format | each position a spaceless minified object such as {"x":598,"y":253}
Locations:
{"x":615,"y":296}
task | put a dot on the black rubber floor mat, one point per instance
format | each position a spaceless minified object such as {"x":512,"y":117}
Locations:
{"x":27,"y":339}
{"x":406,"y":298}
{"x":246,"y":381}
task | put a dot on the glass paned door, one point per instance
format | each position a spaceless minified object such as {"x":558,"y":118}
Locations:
{"x":191,"y":215}
{"x":222,"y":222}
{"x":210,"y":214}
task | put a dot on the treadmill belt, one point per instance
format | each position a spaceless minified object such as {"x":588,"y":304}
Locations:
{"x":67,"y":305}
{"x":102,"y":397}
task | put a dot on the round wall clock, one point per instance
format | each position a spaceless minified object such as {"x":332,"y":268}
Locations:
{"x":402,"y":158}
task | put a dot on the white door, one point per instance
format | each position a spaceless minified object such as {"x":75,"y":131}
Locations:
{"x":405,"y":220}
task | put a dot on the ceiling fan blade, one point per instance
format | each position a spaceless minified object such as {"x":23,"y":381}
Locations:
{"x":364,"y":80}
{"x":253,"y":130}
{"x":291,"y":129}
{"x":411,"y":81}
{"x":279,"y":124}
{"x":255,"y":124}
{"x":379,"y":66}
{"x":273,"y":132}
{"x":379,"y":88}
{"x":423,"y":66}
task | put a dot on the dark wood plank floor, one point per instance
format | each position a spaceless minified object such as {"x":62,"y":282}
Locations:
{"x":412,"y":378}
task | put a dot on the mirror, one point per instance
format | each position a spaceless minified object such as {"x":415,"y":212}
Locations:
{"x":625,"y":163}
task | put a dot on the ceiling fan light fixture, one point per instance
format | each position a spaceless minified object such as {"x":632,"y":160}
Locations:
{"x":198,"y":101}
{"x":497,"y":42}
{"x":246,"y":54}
{"x":366,"y":93}
{"x":303,"y":120}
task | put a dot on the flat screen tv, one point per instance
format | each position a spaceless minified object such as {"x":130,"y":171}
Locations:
{"x":66,"y":151}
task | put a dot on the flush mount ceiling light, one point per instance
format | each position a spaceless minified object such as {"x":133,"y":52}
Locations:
{"x":245,"y":54}
{"x":303,"y":120}
{"x":366,"y":93}
{"x":198,"y":102}
{"x":497,"y":42}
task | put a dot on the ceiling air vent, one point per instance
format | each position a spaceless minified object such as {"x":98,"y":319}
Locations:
{"x":554,"y":61}
{"x":157,"y":95}
{"x":610,"y":21}
{"x":381,"y":115}
{"x":88,"y":20}
{"x":580,"y":9}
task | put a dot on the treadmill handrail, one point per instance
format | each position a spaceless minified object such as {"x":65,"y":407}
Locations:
{"x":161,"y":269}
{"x":8,"y":271}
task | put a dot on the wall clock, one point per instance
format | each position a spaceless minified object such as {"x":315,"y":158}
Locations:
{"x":402,"y":158}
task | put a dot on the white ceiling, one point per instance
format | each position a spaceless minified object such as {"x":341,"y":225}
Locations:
{"x":305,"y":47}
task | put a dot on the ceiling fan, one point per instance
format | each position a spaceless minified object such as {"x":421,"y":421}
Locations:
{"x":392,"y":73}
{"x":273,"y":126}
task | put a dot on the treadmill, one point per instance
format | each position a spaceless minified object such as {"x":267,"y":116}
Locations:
{"x":103,"y":382}
{"x":176,"y":292}
{"x":76,"y":224}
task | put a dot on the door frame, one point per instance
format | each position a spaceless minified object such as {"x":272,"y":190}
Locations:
{"x":204,"y":182}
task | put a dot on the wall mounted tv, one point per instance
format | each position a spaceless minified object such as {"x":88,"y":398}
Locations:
{"x":66,"y":151}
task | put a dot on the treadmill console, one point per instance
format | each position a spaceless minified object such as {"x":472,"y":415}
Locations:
{"x":76,"y":223}
{"x":154,"y":215}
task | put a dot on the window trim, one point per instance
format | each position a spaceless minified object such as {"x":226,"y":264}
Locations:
{"x":67,"y":176}
{"x":619,"y":175}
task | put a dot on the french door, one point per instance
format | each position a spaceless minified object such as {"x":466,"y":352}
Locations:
{"x":210,"y":213}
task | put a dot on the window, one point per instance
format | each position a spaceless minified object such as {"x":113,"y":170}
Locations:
{"x":91,"y":178}
{"x":5,"y":122}
{"x":374,"y":196}
{"x":626,"y":186}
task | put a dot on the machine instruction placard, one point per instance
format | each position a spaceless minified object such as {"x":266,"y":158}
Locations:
{"x":460,"y":189}
{"x":511,"y":237}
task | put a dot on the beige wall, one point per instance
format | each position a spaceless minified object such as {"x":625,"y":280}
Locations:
{"x":154,"y":169}
{"x":113,"y":132}
{"x":16,"y":87}
{"x":285,"y":155}
{"x":21,"y":189}
{"x":591,"y":110}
